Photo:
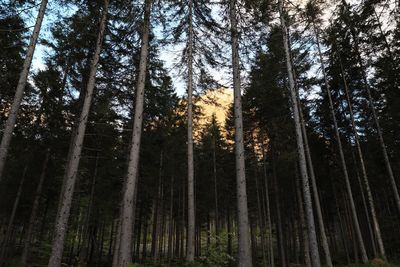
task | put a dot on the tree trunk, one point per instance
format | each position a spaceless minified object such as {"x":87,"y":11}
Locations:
{"x":35,"y":206}
{"x":19,"y":92}
{"x":117,"y":243}
{"x":215,"y":192}
{"x":171,"y":220}
{"x":75,"y":154}
{"x":125,"y":251}
{"x":370,"y":198}
{"x":281,"y":247}
{"x":306,"y":244}
{"x":85,"y":232}
{"x":260,"y":219}
{"x":243,"y":217}
{"x":191,"y":212}
{"x":357,"y":229}
{"x":268,"y":211}
{"x":300,"y":146}
{"x":12,"y":217}
{"x":324,"y":239}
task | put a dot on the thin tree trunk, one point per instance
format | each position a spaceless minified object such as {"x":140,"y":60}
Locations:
{"x":138,"y":238}
{"x":357,"y":229}
{"x":324,"y":239}
{"x":85,"y":231}
{"x":268,"y":210}
{"x":260,"y":219}
{"x":117,"y":243}
{"x":19,"y":92}
{"x":281,"y":248}
{"x":125,"y":251}
{"x":171,"y":220}
{"x":300,"y":145}
{"x":111,"y":240}
{"x":144,"y":248}
{"x":35,"y":206}
{"x":245,"y":254}
{"x":74,"y":158}
{"x":215,"y":191}
{"x":342,"y":230}
{"x":191,"y":212}
{"x":370,"y":198}
{"x":306,"y":244}
{"x":12,"y":217}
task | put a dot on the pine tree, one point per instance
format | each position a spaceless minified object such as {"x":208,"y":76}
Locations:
{"x":75,"y":152}
{"x":124,"y":255}
{"x":19,"y":92}
{"x":245,"y":255}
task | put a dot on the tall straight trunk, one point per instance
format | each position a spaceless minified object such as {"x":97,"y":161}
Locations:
{"x":111,"y":240}
{"x":338,"y":212}
{"x":35,"y":206}
{"x":370,"y":198}
{"x":155,"y":217}
{"x":85,"y":231}
{"x":376,"y":119}
{"x":365,"y":206}
{"x":357,"y":229}
{"x":127,"y":220}
{"x":268,"y":211}
{"x":260,"y":219}
{"x":117,"y":243}
{"x":215,"y":191}
{"x":19,"y":92}
{"x":243,"y":217}
{"x":144,"y":247}
{"x":306,"y":243}
{"x":171,"y":219}
{"x":138,"y":232}
{"x":324,"y":239}
{"x":70,"y":174}
{"x":191,"y":212}
{"x":281,"y":247}
{"x":300,"y":145}
{"x":12,"y":217}
{"x":182,"y":228}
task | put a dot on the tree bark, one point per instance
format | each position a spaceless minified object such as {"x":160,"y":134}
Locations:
{"x":125,"y":251}
{"x":357,"y":229}
{"x":245,"y":259}
{"x":300,"y":145}
{"x":75,"y":153}
{"x":19,"y":92}
{"x":191,"y":213}
{"x":306,"y":243}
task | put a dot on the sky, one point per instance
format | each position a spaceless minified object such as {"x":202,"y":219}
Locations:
{"x":167,"y":54}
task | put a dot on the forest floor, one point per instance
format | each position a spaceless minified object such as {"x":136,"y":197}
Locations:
{"x":199,"y":264}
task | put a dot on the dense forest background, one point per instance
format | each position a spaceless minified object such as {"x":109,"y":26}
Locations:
{"x":104,"y":161}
